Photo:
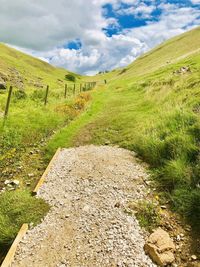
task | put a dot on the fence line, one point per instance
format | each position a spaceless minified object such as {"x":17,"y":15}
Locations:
{"x":87,"y":86}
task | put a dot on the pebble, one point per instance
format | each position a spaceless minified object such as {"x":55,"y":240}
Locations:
{"x":194,"y":257}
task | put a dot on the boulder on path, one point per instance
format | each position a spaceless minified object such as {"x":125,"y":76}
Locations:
{"x":160,"y":247}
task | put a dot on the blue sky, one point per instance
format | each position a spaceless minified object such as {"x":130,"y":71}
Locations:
{"x":88,"y":36}
{"x":128,"y":20}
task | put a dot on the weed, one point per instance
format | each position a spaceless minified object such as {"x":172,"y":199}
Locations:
{"x":147,"y":214}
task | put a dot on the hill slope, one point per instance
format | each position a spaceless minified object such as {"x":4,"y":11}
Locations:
{"x":167,"y":53}
{"x":24,"y":71}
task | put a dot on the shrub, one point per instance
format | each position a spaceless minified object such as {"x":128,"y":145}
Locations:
{"x":147,"y":213}
{"x":85,"y":96}
{"x":79,"y":104}
{"x":16,"y":208}
{"x":70,"y":77}
{"x":63,"y":109}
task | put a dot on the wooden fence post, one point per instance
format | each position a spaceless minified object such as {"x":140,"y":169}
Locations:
{"x":65,"y":90}
{"x":74,"y":89}
{"x":8,"y":102}
{"x":46,"y":95}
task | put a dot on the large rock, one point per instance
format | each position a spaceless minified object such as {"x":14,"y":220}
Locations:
{"x":160,"y":247}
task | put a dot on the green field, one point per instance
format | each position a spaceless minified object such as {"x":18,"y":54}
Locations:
{"x":151,"y":107}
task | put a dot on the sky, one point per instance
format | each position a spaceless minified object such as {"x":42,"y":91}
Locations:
{"x":88,"y":36}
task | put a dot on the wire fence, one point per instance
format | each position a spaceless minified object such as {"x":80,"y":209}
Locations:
{"x":72,"y":89}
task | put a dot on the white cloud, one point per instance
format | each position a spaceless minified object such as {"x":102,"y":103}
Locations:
{"x":139,"y":10}
{"x":120,"y":50}
{"x":195,"y":1}
{"x":43,"y":27}
{"x":173,"y":21}
{"x":115,"y":51}
{"x":45,"y":24}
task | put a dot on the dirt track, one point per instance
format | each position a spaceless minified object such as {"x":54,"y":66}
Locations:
{"x":89,"y":189}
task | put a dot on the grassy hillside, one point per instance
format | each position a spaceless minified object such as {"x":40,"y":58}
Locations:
{"x":32,"y":71}
{"x":167,"y":53}
{"x":153,"y":108}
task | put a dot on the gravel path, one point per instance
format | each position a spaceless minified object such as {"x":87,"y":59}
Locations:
{"x":88,"y":189}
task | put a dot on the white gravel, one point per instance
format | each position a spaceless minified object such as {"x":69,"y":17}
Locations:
{"x":88,"y":188}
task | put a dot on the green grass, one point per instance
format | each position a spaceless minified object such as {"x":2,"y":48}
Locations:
{"x":29,"y":121}
{"x":17,"y":208}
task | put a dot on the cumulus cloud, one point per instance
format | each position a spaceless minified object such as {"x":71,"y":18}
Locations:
{"x":43,"y":29}
{"x":44,"y":24}
{"x":138,"y":9}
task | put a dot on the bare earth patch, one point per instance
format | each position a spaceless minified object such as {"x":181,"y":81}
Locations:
{"x":88,"y":189}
